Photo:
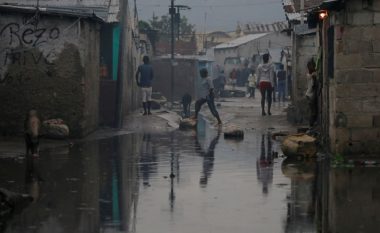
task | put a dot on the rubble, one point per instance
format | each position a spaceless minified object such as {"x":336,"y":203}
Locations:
{"x":233,"y":132}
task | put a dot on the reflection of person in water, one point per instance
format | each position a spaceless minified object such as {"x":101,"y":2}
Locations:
{"x":147,"y":159}
{"x":264,"y":164}
{"x":32,"y":178}
{"x":208,"y":159}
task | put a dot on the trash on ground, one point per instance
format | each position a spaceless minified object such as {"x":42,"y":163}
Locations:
{"x":233,"y":132}
{"x":55,"y":128}
{"x":299,"y":145}
{"x":187,"y":123}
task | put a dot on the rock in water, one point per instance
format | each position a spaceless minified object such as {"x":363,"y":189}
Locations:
{"x":233,"y":132}
{"x":299,"y":145}
{"x":187,"y":123}
{"x":155,"y":105}
{"x":55,"y":129}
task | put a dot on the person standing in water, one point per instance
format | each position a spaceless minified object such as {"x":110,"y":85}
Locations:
{"x":265,"y":80}
{"x":207,"y":96}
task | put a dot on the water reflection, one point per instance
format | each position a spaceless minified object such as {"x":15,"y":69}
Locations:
{"x":264,"y":164}
{"x":123,"y":184}
{"x":302,"y":197}
{"x":208,"y":158}
{"x":148,"y":158}
{"x":33,"y":178}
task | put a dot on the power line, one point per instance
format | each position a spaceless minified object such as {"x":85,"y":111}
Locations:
{"x":220,"y":5}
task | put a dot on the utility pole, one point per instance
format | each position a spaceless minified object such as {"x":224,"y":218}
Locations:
{"x":172,"y":12}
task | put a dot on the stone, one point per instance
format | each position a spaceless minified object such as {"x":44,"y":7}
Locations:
{"x":187,"y":123}
{"x":361,"y":18}
{"x":370,"y":60}
{"x":376,"y":121}
{"x":376,"y":18}
{"x":359,"y":120}
{"x":299,"y":145}
{"x":354,"y":76}
{"x":155,"y":105}
{"x":226,"y":94}
{"x":365,"y":134}
{"x":348,"y":61}
{"x":233,"y":132}
{"x":348,"y":105}
{"x":239,"y":93}
{"x":55,"y":129}
{"x":356,"y":46}
{"x":371,"y":105}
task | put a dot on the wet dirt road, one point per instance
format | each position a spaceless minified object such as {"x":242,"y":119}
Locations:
{"x":172,"y":182}
{"x":186,"y":182}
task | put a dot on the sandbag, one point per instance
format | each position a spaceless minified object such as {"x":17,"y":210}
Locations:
{"x":187,"y":123}
{"x":299,"y":145}
{"x":55,"y":129}
{"x":233,"y":132}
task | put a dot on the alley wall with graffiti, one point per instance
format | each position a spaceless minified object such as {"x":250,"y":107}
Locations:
{"x":49,"y":63}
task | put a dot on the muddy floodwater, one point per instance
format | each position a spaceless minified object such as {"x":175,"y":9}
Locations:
{"x":187,"y":182}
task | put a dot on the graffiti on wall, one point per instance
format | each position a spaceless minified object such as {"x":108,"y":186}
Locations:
{"x":26,"y":44}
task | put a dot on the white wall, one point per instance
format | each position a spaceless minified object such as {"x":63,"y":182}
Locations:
{"x":272,"y":40}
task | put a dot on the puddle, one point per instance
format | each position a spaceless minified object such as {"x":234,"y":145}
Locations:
{"x":188,"y":182}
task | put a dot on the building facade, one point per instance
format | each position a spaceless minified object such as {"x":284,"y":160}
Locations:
{"x":249,"y":45}
{"x":351,"y":76}
{"x":55,"y":57}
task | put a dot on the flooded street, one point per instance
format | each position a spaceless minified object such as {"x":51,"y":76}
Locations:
{"x":174,"y":182}
{"x":194,"y":181}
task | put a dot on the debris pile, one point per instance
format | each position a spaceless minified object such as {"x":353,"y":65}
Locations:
{"x":55,"y":129}
{"x":233,"y":132}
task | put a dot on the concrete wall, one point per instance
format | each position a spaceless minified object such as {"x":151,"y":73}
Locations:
{"x":272,"y":40}
{"x":304,"y":48}
{"x":355,"y":88}
{"x":51,"y":66}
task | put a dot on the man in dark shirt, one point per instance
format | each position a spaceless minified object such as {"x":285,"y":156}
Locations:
{"x":144,"y":77}
{"x":281,"y":84}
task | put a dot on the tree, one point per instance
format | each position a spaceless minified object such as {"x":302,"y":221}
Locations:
{"x":163,"y":25}
{"x":151,"y":33}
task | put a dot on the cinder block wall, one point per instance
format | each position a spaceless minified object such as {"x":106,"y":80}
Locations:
{"x":52,"y":66}
{"x":355,"y":89}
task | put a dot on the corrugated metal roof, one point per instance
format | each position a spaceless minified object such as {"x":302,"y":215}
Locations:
{"x":106,"y":13}
{"x":240,"y":41}
{"x":97,"y":13}
{"x":251,"y":28}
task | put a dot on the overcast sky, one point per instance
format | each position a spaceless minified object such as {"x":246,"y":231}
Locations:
{"x":221,"y":14}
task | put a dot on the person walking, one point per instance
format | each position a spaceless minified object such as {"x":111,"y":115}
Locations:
{"x":311,"y":92}
{"x":207,"y":96}
{"x":265,"y":79}
{"x":233,"y":77}
{"x":281,"y":76}
{"x":222,"y":81}
{"x":252,"y":84}
{"x":144,"y":77}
